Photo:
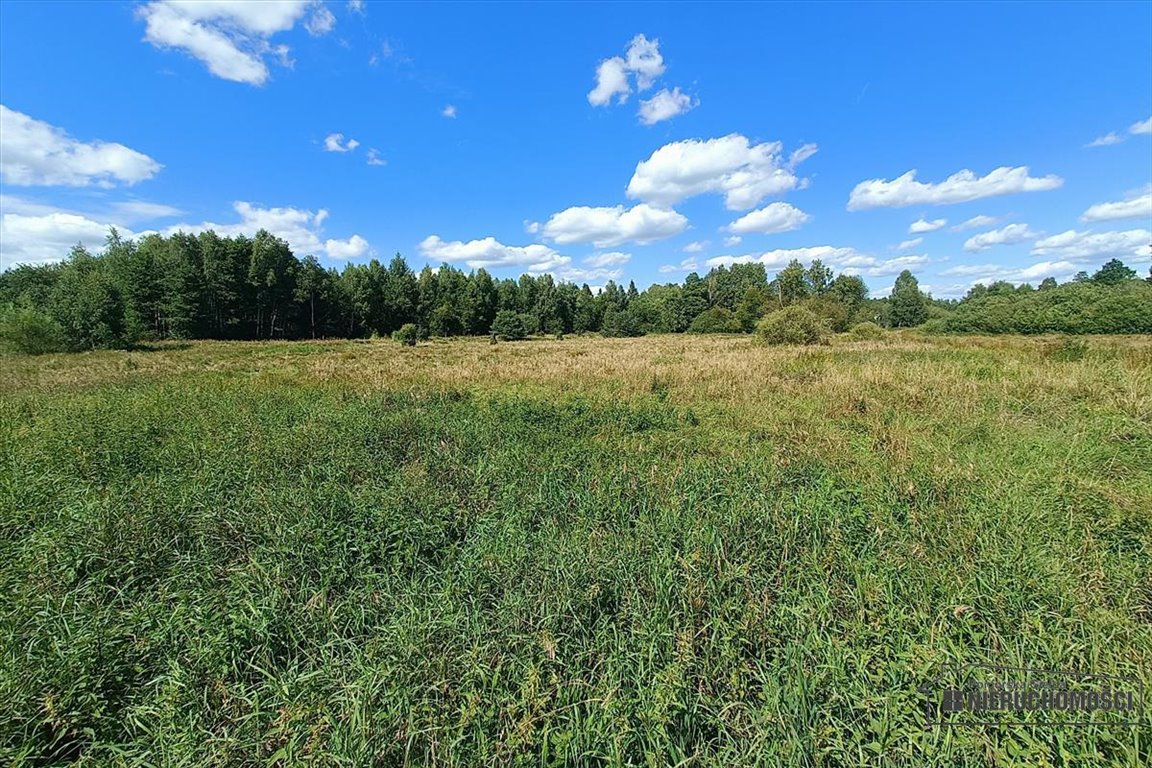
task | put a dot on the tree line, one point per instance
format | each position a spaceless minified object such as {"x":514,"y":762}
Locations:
{"x":205,"y":286}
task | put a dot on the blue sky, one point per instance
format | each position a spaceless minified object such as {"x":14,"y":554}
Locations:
{"x":592,"y":141}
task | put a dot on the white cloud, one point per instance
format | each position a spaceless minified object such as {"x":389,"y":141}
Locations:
{"x":300,"y":228}
{"x":1095,"y":246}
{"x":908,"y":245}
{"x":1134,"y":206}
{"x":48,"y":237}
{"x":321,"y":22}
{"x":352,"y":248}
{"x":611,"y":80}
{"x":665,"y":105}
{"x":489,"y":253}
{"x":140,"y":210}
{"x":578,"y":275}
{"x":733,"y":240}
{"x":643,"y":61}
{"x":356,"y":6}
{"x":374,"y":158}
{"x":1106,"y":140}
{"x":606,"y":227}
{"x":231,"y":37}
{"x":695,"y":247}
{"x":335,"y":142}
{"x":1112,"y":137}
{"x":958,"y":188}
{"x":34,"y":153}
{"x":774,"y":217}
{"x":1009,"y":235}
{"x":611,"y":259}
{"x":449,"y":111}
{"x":920,"y":225}
{"x":845,"y":259}
{"x":744,"y":173}
{"x":975,"y":222}
{"x":687,"y":265}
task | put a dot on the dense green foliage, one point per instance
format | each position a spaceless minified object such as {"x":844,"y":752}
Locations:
{"x":242,"y":555}
{"x":509,"y":326}
{"x":1076,"y":307}
{"x":866,"y":331}
{"x":793,"y":325}
{"x":407,"y":334}
{"x":209,"y":287}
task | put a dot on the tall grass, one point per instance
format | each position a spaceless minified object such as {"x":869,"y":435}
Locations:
{"x":567,"y":553}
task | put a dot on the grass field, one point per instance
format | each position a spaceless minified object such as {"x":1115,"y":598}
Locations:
{"x":657,"y":551}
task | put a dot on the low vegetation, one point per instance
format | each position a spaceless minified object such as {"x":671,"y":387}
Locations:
{"x":671,"y":550}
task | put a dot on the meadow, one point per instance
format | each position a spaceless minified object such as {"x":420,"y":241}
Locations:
{"x":668,"y":550}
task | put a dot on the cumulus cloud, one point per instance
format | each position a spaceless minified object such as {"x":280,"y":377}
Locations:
{"x":743,"y":172}
{"x":644,"y":61}
{"x":1095,"y":246}
{"x":732,"y":240}
{"x":975,"y":222}
{"x":231,"y":37}
{"x":695,"y":247}
{"x":40,"y":238}
{"x":34,"y":153}
{"x":374,"y":157}
{"x":908,"y":245}
{"x":449,"y":111}
{"x":610,"y":226}
{"x":611,"y":259}
{"x":774,"y":217}
{"x":844,"y":259}
{"x":489,"y":253}
{"x":301,"y":229}
{"x":958,"y":188}
{"x":334,"y":142}
{"x":665,"y":105}
{"x":1134,"y":206}
{"x":921,"y":225}
{"x":1142,"y":127}
{"x":611,"y":80}
{"x":1009,"y":235}
{"x":640,"y":66}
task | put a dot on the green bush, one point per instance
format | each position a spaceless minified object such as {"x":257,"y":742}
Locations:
{"x":509,"y":326}
{"x":716,"y":320}
{"x":793,"y":325}
{"x":408,"y":334}
{"x":26,"y":330}
{"x":866,"y":331}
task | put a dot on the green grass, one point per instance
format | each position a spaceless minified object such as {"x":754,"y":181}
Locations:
{"x":273,"y":562}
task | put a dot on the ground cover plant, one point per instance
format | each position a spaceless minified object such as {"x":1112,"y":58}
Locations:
{"x":671,"y":550}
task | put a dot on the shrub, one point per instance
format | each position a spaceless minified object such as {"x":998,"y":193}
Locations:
{"x":793,"y":325}
{"x":866,"y":332}
{"x":408,"y":334}
{"x":26,"y":330}
{"x":509,"y":326}
{"x":716,"y":320}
